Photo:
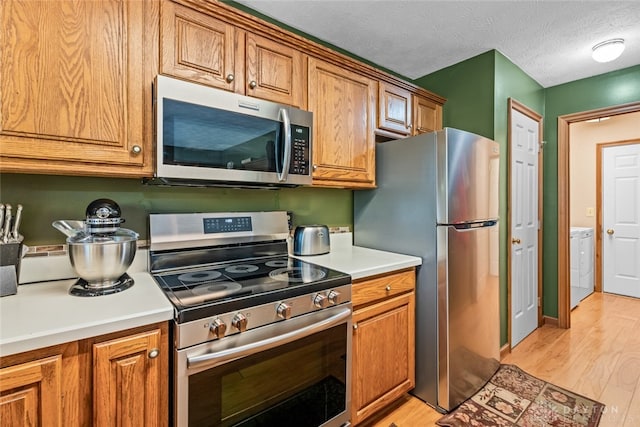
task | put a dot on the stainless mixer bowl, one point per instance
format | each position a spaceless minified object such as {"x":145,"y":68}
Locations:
{"x":102,"y":260}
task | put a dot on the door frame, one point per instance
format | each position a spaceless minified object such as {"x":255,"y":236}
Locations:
{"x":564,"y":310}
{"x":518,"y":106}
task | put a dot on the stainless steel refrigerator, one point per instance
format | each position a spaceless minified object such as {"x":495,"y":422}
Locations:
{"x":437,"y":198}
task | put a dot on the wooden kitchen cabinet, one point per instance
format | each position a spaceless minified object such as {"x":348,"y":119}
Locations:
{"x":199,"y":47}
{"x":75,"y":86}
{"x":128,"y":380}
{"x":395,"y":109}
{"x":427,"y":115}
{"x":31,"y":393}
{"x":344,"y":113}
{"x":383,"y":346}
{"x":109,"y":380}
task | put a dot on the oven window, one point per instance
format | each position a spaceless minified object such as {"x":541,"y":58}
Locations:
{"x":297,"y":384}
{"x":195,"y":135}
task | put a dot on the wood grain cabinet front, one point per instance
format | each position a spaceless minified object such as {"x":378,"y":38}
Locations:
{"x":427,"y":115}
{"x":383,"y":364}
{"x":31,"y":393}
{"x":120,"y":379}
{"x":128,"y":380}
{"x":203,"y":48}
{"x":395,"y":109}
{"x":343,"y":105}
{"x":75,"y":86}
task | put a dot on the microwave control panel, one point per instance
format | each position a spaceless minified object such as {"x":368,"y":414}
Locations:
{"x":300,"y":153}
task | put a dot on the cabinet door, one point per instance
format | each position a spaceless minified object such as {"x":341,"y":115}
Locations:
{"x":72,"y":89}
{"x":395,"y":109}
{"x":427,"y":115}
{"x":31,"y":393}
{"x":343,"y":104}
{"x":198,"y":47}
{"x":128,"y":381}
{"x":383,"y":354}
{"x":274,"y":72}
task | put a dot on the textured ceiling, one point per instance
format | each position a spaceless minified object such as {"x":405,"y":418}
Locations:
{"x":549,"y":40}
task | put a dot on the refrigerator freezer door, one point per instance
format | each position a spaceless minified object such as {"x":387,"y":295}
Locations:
{"x":468,"y":177}
{"x":468,"y":311}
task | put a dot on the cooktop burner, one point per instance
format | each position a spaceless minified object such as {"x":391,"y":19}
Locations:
{"x":209,"y":290}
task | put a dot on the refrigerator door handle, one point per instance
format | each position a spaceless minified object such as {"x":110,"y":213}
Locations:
{"x":475,"y":224}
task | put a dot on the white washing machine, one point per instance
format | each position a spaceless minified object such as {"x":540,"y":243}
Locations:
{"x":582,"y":260}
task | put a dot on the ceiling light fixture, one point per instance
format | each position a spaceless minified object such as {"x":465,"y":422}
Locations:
{"x":608,"y":50}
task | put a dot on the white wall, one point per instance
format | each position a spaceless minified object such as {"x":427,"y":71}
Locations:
{"x":583,"y":138}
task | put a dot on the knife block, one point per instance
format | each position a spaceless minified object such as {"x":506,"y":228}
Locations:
{"x":10,"y":256}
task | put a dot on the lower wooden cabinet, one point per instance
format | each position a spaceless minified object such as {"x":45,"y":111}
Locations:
{"x":119,"y":379}
{"x":128,"y":380}
{"x":31,"y":393}
{"x":383,"y":364}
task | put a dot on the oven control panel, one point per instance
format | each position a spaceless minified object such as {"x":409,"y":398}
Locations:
{"x":236,"y":322}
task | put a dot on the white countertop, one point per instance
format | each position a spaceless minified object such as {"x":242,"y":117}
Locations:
{"x":360,"y":262}
{"x":44,"y":314}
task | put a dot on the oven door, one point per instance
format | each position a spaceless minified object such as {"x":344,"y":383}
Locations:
{"x":294,"y":372}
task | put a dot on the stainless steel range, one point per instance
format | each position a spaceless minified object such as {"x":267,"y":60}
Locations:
{"x":260,"y":339}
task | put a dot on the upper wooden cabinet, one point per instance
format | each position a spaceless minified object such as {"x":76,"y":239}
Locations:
{"x":75,"y":86}
{"x":427,"y":115}
{"x":395,"y":109}
{"x":198,"y":47}
{"x":344,"y":111}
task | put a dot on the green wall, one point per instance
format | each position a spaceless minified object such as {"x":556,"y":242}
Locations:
{"x":47,"y":198}
{"x":605,"y":90}
{"x":477,"y":92}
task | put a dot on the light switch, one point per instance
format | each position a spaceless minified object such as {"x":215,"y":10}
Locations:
{"x":590,"y":212}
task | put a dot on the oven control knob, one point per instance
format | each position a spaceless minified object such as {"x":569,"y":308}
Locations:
{"x":239,"y":322}
{"x":218,"y":328}
{"x":284,"y":311}
{"x":334,"y":297}
{"x":320,"y":301}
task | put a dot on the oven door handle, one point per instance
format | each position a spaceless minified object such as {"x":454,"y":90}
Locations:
{"x":210,"y":360}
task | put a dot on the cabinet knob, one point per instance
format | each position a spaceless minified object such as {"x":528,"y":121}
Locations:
{"x":355,"y":326}
{"x":153,"y":353}
{"x":315,"y":167}
{"x":253,"y":84}
{"x":136,"y":149}
{"x":388,"y":288}
{"x":610,"y":231}
{"x":230,"y":78}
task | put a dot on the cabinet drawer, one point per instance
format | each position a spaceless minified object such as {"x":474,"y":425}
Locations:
{"x":374,"y":289}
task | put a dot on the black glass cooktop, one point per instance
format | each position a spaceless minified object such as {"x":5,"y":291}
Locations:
{"x":215,"y":289}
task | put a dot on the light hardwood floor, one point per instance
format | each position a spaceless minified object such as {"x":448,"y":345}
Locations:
{"x":599,"y":357}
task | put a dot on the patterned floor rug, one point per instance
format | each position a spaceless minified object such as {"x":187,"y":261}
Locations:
{"x":514,"y":398}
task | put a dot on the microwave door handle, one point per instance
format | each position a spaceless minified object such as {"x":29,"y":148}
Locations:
{"x":282,"y":176}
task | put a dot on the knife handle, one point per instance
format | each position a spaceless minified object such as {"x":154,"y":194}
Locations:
{"x":16,"y":223}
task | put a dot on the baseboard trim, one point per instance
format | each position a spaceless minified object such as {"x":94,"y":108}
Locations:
{"x":505,"y":350}
{"x":551,"y":321}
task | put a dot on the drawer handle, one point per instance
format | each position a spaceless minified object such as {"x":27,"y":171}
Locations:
{"x":154,"y":353}
{"x":388,"y":288}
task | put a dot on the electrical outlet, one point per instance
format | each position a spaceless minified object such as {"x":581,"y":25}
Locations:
{"x":590,"y":212}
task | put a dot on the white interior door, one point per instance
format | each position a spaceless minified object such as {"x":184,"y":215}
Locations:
{"x":621,"y":220}
{"x":525,"y":144}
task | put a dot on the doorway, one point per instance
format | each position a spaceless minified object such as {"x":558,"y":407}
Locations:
{"x":564,"y":204}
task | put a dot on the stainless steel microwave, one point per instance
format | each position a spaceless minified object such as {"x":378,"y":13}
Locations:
{"x":206,"y":136}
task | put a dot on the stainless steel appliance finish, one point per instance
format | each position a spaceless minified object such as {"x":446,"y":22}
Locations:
{"x":267,"y":336}
{"x":100,"y":251}
{"x":311,"y":240}
{"x":207,"y":136}
{"x":437,"y":198}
